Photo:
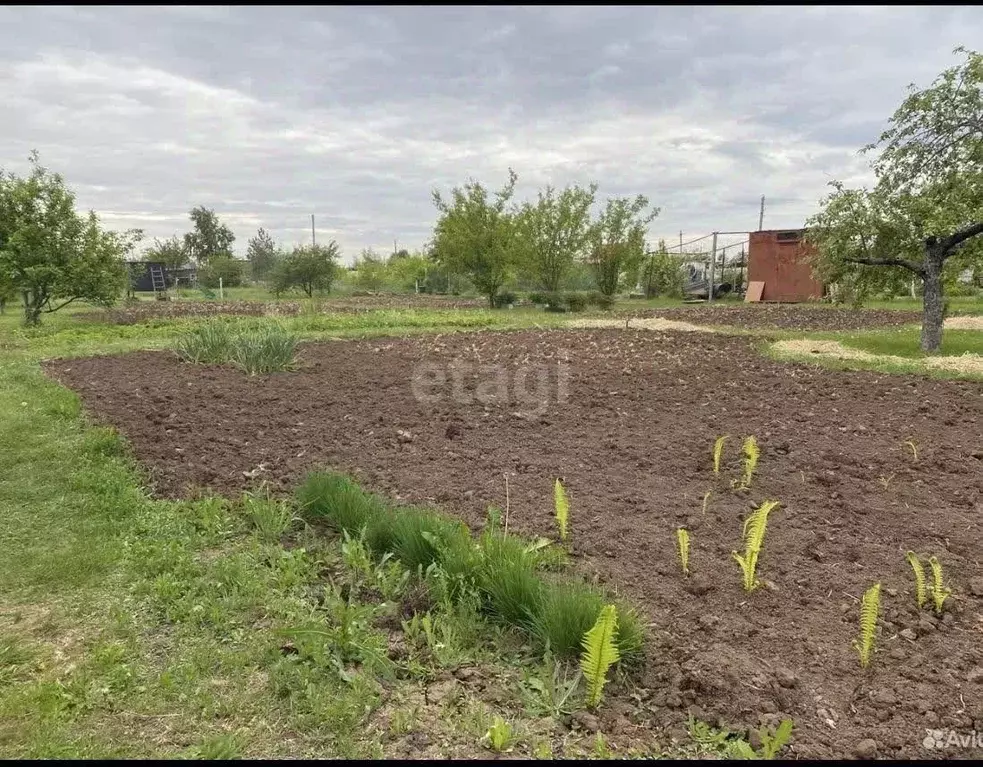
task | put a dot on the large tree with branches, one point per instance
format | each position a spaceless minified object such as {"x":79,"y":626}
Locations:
{"x":924,"y":216}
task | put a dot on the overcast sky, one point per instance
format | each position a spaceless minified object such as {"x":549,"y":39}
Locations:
{"x":269,"y":114}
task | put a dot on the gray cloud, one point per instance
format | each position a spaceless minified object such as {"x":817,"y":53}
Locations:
{"x":269,"y":114}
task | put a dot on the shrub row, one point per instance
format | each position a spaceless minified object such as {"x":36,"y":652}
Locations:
{"x":572,"y":301}
{"x":505,"y":572}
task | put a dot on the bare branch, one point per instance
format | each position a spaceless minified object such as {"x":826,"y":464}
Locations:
{"x":953,"y":241}
{"x":888,"y":262}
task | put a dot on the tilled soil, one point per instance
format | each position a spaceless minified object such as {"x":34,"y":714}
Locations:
{"x":786,"y":316}
{"x":628,"y":421}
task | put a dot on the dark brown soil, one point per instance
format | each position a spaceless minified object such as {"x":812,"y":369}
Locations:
{"x":632,"y":442}
{"x":785,"y":316}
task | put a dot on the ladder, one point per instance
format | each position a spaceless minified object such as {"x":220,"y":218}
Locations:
{"x":158,"y":281}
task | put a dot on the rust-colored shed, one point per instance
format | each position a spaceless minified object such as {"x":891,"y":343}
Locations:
{"x":779,"y":258}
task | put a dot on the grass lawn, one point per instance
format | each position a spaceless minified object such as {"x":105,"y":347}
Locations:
{"x":133,"y":627}
{"x":905,"y":343}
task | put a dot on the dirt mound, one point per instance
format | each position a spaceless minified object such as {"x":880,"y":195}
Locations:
{"x":627,"y":419}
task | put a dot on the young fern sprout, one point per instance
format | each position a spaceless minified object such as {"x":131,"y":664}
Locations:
{"x":921,"y":593}
{"x":706,"y":500}
{"x":718,"y":452}
{"x":751,"y":454}
{"x":682,"y":538}
{"x":600,"y":652}
{"x":754,"y":536}
{"x":939,"y":592}
{"x":869,"y":608}
{"x":562,"y":508}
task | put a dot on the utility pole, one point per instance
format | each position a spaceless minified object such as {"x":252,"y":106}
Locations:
{"x":713,"y":266}
{"x":313,"y":238}
{"x":761,"y":215}
{"x":680,"y":240}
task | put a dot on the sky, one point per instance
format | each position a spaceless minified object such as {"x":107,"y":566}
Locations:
{"x":355,"y":114}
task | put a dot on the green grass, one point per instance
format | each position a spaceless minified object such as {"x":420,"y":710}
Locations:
{"x":906,"y":343}
{"x":220,"y":628}
{"x":503,"y":572}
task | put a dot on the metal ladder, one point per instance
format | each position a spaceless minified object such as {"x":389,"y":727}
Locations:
{"x":157,"y":281}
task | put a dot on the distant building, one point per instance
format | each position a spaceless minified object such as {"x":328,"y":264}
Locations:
{"x":142,"y":281}
{"x":779,"y":258}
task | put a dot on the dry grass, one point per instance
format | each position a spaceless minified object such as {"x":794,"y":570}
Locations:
{"x":964,"y":323}
{"x":646,"y":323}
{"x":967,"y":364}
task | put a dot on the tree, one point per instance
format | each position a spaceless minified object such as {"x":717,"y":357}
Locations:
{"x":309,"y":267}
{"x":662,"y":274}
{"x":262,"y":254}
{"x":409,"y":270}
{"x":222,"y":268}
{"x":475,"y":236}
{"x":51,"y":254}
{"x":209,"y":237}
{"x":924,"y":216}
{"x":617,"y":240}
{"x":170,"y":252}
{"x":370,"y":271}
{"x":555,"y":230}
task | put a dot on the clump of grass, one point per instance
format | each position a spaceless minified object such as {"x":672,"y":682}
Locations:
{"x":503,"y":573}
{"x":271,"y":518}
{"x":265,"y":347}
{"x":337,"y":501}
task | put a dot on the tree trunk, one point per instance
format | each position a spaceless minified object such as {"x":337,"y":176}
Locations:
{"x":32,"y":309}
{"x":932,"y":301}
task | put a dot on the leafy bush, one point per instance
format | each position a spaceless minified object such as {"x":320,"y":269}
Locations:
{"x":230,"y":270}
{"x":539,"y":298}
{"x":503,"y":299}
{"x":555,"y":302}
{"x":598,"y":299}
{"x":576,"y":302}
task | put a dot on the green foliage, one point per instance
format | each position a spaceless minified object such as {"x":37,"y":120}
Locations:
{"x":308,"y":268}
{"x":476,"y":237}
{"x":370,"y":271}
{"x":51,"y":254}
{"x":869,"y":609}
{"x":598,"y":299}
{"x":221,"y":267}
{"x":662,"y":274}
{"x":921,"y":592}
{"x":922,"y":220}
{"x":334,"y":499}
{"x":209,"y":237}
{"x":256,"y":348}
{"x":599,"y":653}
{"x":503,"y":299}
{"x":939,"y":592}
{"x":682,"y":541}
{"x":500,"y":735}
{"x":561,"y":508}
{"x":617,"y":241}
{"x":501,"y":571}
{"x":754,"y":535}
{"x":751,"y":455}
{"x":549,"y":689}
{"x":170,"y":252}
{"x":262,"y":254}
{"x":270,"y":517}
{"x":554,"y":233}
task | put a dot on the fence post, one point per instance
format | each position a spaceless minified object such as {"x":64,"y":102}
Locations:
{"x":221,"y":295}
{"x":713,"y":266}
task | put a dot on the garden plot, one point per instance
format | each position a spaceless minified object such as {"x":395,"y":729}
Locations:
{"x":865,"y":467}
